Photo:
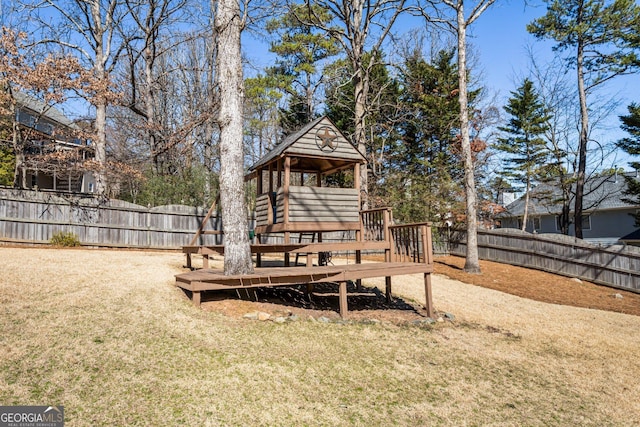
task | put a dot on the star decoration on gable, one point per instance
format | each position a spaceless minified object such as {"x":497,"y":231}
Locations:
{"x":326,"y":138}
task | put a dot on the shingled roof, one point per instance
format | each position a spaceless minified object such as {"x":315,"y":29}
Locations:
{"x":601,"y":193}
{"x":39,"y":107}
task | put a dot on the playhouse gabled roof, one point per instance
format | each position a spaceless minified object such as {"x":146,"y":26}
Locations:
{"x":307,"y":142}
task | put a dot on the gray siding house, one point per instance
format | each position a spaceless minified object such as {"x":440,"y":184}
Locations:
{"x":46,"y":130}
{"x":606,"y":216}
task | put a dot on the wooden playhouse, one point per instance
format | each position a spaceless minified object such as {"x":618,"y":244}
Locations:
{"x":306,"y":186}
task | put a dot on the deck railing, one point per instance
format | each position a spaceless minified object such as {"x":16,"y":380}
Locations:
{"x":375,"y":224}
{"x":411,"y":243}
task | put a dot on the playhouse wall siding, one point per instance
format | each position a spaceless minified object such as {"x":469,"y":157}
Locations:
{"x":319,"y":204}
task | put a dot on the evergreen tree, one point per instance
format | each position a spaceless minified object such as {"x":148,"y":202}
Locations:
{"x":301,"y":49}
{"x":600,"y":36}
{"x":631,"y":145}
{"x":523,"y":141}
{"x":425,"y":170}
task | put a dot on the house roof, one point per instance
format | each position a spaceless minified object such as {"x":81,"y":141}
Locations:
{"x":600,"y":193}
{"x":299,"y":143}
{"x":52,"y":113}
{"x":632,"y":237}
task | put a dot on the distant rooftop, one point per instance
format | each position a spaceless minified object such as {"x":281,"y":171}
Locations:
{"x":601,"y":193}
{"x":40,"y":107}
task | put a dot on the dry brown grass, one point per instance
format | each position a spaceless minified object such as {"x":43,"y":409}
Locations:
{"x":106,"y":334}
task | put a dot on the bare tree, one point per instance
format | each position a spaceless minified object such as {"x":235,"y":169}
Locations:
{"x":228,"y":23}
{"x":458,"y":24}
{"x":153,"y":20}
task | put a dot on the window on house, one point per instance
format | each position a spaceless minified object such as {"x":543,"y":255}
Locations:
{"x":34,"y":181}
{"x":536,"y":223}
{"x":586,"y":222}
{"x":45,"y":127}
{"x":91,"y":187}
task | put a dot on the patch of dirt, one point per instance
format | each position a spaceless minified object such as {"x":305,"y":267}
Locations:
{"x":541,"y":286}
{"x":365,"y":304}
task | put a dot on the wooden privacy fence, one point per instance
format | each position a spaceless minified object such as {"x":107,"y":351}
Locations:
{"x":34,"y":217}
{"x":616,"y":266}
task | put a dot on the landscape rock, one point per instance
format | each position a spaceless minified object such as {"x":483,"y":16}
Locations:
{"x":575,"y":279}
{"x":293,"y":318}
{"x":618,"y":296}
{"x":449,"y":316}
{"x":251,"y":316}
{"x":323,"y":319}
{"x":279,"y":319}
{"x":262,"y":316}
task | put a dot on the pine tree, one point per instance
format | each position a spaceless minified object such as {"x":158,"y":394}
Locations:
{"x":631,"y":145}
{"x":599,"y":36}
{"x":424,"y":170}
{"x":523,"y":141}
{"x":301,"y":50}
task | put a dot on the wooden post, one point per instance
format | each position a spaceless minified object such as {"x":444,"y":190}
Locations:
{"x":259,"y":187}
{"x":343,"y":300}
{"x":189,"y":261}
{"x":428,"y":295}
{"x":356,"y":181}
{"x":387,"y":234}
{"x":205,"y":261}
{"x":286,"y":184}
{"x":387,"y":283}
{"x":279,"y":180}
{"x":427,"y":243}
{"x":212,"y":209}
{"x":195,"y":298}
{"x":258,"y":254}
{"x":392,"y":245}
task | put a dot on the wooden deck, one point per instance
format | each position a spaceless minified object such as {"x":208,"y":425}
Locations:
{"x":210,"y":280}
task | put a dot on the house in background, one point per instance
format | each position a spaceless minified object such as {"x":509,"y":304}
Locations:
{"x":606,"y":216}
{"x":48,"y":131}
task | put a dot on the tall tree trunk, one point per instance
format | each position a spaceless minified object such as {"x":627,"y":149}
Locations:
{"x":360,"y":98}
{"x":19,"y":175}
{"x":149,"y":100}
{"x":582,"y":149}
{"x":525,"y":215}
{"x":101,"y":103}
{"x":472,"y":263}
{"x":237,"y":252}
{"x":360,"y":137}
